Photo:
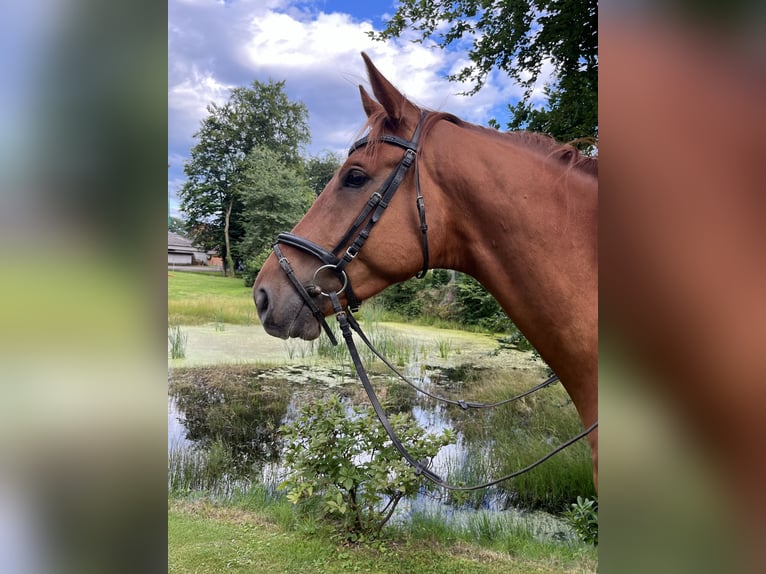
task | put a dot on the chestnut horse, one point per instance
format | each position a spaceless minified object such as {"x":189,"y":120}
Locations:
{"x":517,"y":211}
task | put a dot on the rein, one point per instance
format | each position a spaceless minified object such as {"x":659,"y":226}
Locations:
{"x":332,"y":262}
{"x":421,"y":467}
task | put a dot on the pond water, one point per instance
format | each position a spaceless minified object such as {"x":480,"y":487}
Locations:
{"x":231,"y":412}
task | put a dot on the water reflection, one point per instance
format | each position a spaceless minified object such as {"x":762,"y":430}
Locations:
{"x":235,"y":412}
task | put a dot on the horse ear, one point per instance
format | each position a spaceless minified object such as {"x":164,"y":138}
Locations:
{"x":370,"y":106}
{"x":393,"y":101}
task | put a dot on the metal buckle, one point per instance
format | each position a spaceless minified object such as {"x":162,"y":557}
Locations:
{"x":349,"y":255}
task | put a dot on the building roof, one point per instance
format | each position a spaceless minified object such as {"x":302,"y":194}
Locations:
{"x":178,"y":243}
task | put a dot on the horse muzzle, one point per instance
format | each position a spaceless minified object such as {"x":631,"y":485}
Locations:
{"x":283,"y":314}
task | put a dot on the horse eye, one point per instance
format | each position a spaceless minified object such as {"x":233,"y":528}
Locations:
{"x":355,"y":178}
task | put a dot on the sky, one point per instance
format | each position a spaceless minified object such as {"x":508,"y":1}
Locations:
{"x":314,"y":46}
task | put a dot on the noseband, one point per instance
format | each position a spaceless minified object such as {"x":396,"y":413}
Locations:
{"x":371,"y":213}
{"x":336,"y":264}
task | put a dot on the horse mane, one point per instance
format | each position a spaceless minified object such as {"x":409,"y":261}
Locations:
{"x":566,"y":154}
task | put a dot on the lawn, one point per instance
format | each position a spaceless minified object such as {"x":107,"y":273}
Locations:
{"x":200,"y":298}
{"x":204,"y":537}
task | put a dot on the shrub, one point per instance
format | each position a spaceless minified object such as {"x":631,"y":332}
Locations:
{"x":253,"y":267}
{"x":342,"y":465}
{"x":582,"y":516}
{"x":403,"y":298}
{"x":477,"y":306}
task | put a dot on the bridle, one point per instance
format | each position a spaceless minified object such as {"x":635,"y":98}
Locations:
{"x":333,"y":262}
{"x":371,"y":214}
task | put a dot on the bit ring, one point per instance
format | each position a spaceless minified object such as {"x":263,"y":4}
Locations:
{"x":323,"y":267}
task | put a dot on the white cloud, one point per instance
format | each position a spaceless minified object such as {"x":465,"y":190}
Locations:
{"x":214,"y":47}
{"x":191,"y":96}
{"x":282,"y":41}
{"x":320,"y":59}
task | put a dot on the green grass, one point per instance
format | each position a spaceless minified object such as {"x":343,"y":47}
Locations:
{"x":244,"y":537}
{"x":199,"y":298}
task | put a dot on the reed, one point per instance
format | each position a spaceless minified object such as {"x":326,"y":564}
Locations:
{"x":531,"y":433}
{"x":196,"y":470}
{"x":524,"y":534}
{"x":445,"y":347}
{"x":177,"y":342}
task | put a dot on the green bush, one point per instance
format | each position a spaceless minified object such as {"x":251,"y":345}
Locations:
{"x":403,"y":298}
{"x":253,"y":266}
{"x":582,"y":516}
{"x":477,"y":306}
{"x":342,"y":465}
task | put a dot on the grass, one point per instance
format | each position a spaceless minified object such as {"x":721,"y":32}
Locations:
{"x":518,"y":434}
{"x":198,"y":298}
{"x":198,"y":470}
{"x":259,"y":534}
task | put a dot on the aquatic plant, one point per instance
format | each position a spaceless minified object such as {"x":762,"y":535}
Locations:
{"x":177,"y":340}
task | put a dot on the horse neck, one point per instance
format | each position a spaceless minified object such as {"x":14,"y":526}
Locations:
{"x":527,"y":230}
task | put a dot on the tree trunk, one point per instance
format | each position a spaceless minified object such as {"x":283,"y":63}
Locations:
{"x":229,"y":262}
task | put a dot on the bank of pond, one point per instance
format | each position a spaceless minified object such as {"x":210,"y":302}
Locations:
{"x":224,"y":435}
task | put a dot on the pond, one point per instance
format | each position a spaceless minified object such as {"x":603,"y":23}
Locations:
{"x":224,"y":417}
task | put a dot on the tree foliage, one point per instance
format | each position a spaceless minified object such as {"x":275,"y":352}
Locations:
{"x":256,"y":116}
{"x":177,"y":225}
{"x":320,"y":170}
{"x":450,"y":297}
{"x":274,"y":197}
{"x":518,"y":37}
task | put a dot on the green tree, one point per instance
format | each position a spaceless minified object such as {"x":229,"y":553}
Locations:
{"x":274,"y":196}
{"x":320,"y":169}
{"x":177,"y":225}
{"x":517,"y":37}
{"x":260,"y":115}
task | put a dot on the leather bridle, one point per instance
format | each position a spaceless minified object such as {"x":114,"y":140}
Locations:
{"x":335,"y":263}
{"x":360,"y":230}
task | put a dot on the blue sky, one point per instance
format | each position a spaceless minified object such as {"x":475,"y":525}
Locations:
{"x":314,"y":46}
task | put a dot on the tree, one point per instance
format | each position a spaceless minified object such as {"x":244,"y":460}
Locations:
{"x":177,"y":225}
{"x":260,"y":115}
{"x":320,"y":169}
{"x":274,"y":196}
{"x":345,"y":466}
{"x":517,"y":37}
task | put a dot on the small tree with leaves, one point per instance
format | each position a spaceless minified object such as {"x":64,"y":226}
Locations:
{"x":342,"y":463}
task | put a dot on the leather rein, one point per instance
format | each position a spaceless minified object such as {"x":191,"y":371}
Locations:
{"x":335,"y":263}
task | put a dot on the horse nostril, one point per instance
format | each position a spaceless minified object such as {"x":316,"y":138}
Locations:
{"x":261,"y":301}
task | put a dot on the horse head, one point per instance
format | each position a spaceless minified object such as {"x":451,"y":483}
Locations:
{"x":373,"y":179}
